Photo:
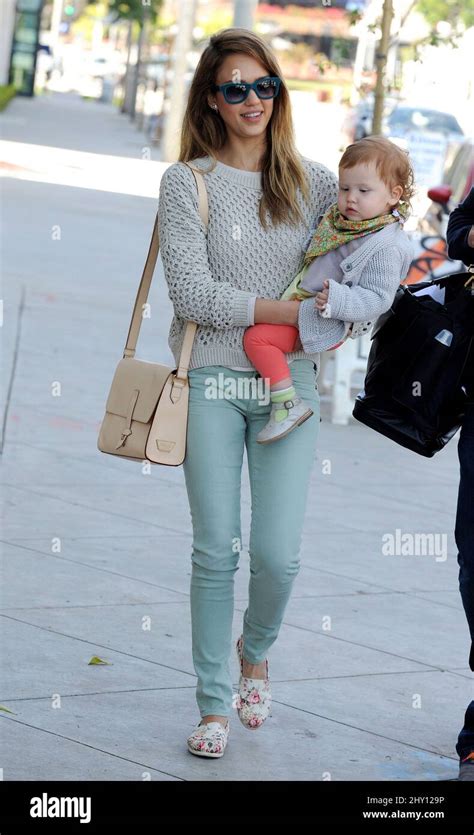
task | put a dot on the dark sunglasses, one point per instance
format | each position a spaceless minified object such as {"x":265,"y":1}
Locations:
{"x":266,"y":87}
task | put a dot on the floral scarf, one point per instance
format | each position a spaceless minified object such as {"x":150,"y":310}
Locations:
{"x":336,"y":230}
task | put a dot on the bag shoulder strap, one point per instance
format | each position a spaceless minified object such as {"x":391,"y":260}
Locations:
{"x":145,"y":282}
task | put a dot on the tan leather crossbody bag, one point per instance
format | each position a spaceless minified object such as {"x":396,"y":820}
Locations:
{"x":146,"y":413}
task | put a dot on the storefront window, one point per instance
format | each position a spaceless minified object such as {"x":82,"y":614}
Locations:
{"x":24,"y":47}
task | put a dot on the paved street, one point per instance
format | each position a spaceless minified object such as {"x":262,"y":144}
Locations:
{"x":370,"y":674}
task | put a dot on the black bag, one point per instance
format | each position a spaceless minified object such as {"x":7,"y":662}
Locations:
{"x":420,"y":370}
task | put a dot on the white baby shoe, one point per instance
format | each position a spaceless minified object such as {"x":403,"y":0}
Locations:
{"x":298,"y":412}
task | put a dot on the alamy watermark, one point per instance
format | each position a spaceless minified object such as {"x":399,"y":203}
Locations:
{"x":221,"y":387}
{"x":406,"y":544}
{"x":52,"y":806}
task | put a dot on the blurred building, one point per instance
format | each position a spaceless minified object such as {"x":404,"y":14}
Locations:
{"x":325,"y":29}
{"x":7,"y":21}
{"x":19,"y":43}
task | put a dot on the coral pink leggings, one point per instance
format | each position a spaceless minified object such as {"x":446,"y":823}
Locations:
{"x":266,"y":346}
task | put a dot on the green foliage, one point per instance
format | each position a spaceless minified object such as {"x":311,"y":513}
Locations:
{"x":353,"y":16}
{"x":217,"y":18}
{"x":135,"y":9}
{"x":7,"y":91}
{"x":451,"y":10}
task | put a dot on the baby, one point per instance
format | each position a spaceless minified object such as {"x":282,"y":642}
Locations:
{"x":375,"y":187}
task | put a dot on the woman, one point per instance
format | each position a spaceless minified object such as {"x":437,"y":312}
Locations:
{"x":264,"y":201}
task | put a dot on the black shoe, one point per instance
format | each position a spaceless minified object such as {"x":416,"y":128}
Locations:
{"x":466,"y":768}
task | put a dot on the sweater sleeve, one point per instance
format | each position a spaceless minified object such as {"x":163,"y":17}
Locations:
{"x":318,"y":334}
{"x":192,"y":289}
{"x":459,"y":226}
{"x":374,"y":293}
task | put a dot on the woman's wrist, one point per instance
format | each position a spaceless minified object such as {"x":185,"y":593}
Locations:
{"x":293,"y":312}
{"x":276,"y":312}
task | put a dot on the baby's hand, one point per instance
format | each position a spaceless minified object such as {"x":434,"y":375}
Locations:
{"x":322,"y":297}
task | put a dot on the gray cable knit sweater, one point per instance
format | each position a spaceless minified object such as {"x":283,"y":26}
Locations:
{"x":216,"y":282}
{"x":370,"y":277}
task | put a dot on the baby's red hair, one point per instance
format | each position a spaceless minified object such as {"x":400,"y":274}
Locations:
{"x":392,"y":163}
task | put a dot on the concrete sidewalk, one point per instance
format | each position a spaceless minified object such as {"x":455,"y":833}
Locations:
{"x":370,"y":676}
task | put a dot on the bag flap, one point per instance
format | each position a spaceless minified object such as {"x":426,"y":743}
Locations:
{"x":148,"y":377}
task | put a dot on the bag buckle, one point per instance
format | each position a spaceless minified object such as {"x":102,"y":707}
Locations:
{"x":128,"y":431}
{"x":177,"y":387}
{"x":125,"y":434}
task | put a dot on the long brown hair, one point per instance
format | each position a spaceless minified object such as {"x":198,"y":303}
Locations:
{"x":204,"y":132}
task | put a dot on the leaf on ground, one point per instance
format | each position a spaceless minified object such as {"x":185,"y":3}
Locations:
{"x":7,"y":710}
{"x":96,"y":660}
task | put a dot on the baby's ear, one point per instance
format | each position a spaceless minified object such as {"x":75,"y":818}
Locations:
{"x":397,"y":192}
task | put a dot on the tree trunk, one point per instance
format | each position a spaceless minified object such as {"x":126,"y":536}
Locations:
{"x":126,"y":80}
{"x":381,"y":63}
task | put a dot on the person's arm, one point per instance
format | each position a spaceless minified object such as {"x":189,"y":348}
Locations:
{"x":460,"y":231}
{"x":276,"y":312}
{"x":374,"y":293}
{"x":368,"y":301}
{"x":323,"y":193}
{"x":192,"y":289}
{"x":318,"y":334}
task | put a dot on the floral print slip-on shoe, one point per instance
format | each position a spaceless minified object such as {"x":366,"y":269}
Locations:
{"x":254,"y":698}
{"x":208,"y":739}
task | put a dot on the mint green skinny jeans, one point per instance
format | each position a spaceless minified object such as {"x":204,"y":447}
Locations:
{"x":279,"y":473}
